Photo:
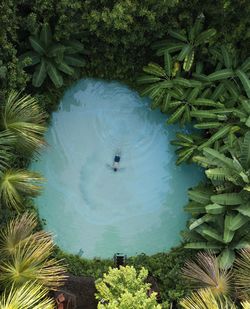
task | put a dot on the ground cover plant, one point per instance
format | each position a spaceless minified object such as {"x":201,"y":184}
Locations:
{"x":198,"y":73}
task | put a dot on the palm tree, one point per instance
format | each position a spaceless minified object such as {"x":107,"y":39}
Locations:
{"x":25,"y":120}
{"x":205,"y":272}
{"x":15,"y":185}
{"x":26,"y":255}
{"x":28,"y":296}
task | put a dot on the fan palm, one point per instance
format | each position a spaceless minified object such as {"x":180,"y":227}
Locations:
{"x":23,"y":118}
{"x":15,"y":185}
{"x":28,"y":296}
{"x":242,"y":273}
{"x":18,"y":232}
{"x":205,"y":272}
{"x":205,"y":299}
{"x":26,"y":255}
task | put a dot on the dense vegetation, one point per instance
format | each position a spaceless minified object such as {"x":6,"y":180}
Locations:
{"x":211,"y":90}
{"x":198,"y":72}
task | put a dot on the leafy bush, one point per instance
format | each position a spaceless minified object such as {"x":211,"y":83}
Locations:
{"x":124,"y":288}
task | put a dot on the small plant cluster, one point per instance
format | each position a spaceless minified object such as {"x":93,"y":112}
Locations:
{"x":204,"y":83}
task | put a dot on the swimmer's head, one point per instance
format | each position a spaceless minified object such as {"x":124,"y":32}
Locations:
{"x":115,"y":169}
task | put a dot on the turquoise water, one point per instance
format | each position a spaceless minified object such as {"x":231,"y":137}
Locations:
{"x":85,"y":203}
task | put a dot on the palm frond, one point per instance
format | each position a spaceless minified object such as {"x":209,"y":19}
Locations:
{"x":242,"y":273}
{"x":205,"y":299}
{"x":7,"y":140}
{"x":26,"y":256}
{"x":245,"y":305}
{"x":23,"y":117}
{"x":30,"y":295}
{"x":16,"y":233}
{"x":204,"y":272}
{"x":15,"y":184}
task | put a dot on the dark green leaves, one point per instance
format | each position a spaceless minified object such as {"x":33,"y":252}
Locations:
{"x":52,"y":59}
{"x":39,"y":74}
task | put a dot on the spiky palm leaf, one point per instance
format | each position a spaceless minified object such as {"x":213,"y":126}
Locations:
{"x":18,"y":232}
{"x":17,"y":184}
{"x":204,"y":271}
{"x":7,"y":141}
{"x":204,"y":299}
{"x":28,"y":296}
{"x":26,"y":255}
{"x":242,"y":273}
{"x":245,"y":305}
{"x":25,"y":120}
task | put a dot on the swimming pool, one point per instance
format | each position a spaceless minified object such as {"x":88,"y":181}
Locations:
{"x":87,"y":205}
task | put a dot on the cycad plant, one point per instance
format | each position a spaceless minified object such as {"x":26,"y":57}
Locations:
{"x":25,"y":255}
{"x":52,"y":59}
{"x":28,"y":296}
{"x":18,"y":185}
{"x":24,"y":120}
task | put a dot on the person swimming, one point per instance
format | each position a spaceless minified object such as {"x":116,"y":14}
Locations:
{"x":116,"y":162}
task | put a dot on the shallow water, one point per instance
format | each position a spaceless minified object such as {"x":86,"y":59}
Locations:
{"x":85,"y":203}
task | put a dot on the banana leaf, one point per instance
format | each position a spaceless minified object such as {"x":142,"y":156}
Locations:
{"x":226,"y":258}
{"x":54,"y":75}
{"x":74,"y":60}
{"x":221,"y":74}
{"x":39,"y":74}
{"x":245,"y":81}
{"x":227,"y":199}
{"x":37,"y":45}
{"x":46,"y":35}
{"x":205,"y":36}
{"x":198,"y":195}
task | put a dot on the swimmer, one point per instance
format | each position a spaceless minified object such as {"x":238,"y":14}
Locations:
{"x":116,"y":162}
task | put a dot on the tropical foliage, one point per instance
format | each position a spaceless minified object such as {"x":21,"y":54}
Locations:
{"x":52,"y":58}
{"x":202,"y":79}
{"x":212,"y":93}
{"x":124,"y":288}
